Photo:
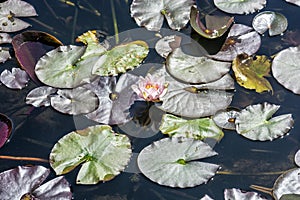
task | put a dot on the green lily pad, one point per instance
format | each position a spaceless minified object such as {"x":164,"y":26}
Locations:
{"x":193,"y":69}
{"x":173,"y":162}
{"x":240,"y":6}
{"x":250,"y":71}
{"x":290,"y":197}
{"x":151,"y":13}
{"x":255,"y":122}
{"x":197,"y":128}
{"x":101,"y":152}
{"x":275,"y":22}
{"x":232,"y":194}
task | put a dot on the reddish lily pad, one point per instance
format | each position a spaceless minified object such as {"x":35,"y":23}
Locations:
{"x":6,"y":126}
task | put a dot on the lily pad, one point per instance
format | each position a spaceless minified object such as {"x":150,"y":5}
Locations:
{"x":40,"y":96}
{"x":206,"y":197}
{"x":296,"y":2}
{"x":16,"y":79}
{"x":250,"y":71}
{"x":173,"y":162}
{"x":232,"y":194}
{"x":197,"y":128}
{"x":255,"y":122}
{"x":297,"y":158}
{"x":101,"y":152}
{"x":5,"y":38}
{"x":193,"y":69}
{"x":25,"y":183}
{"x":11,"y":9}
{"x":287,"y":183}
{"x":167,"y":44}
{"x":215,"y":27}
{"x":286,"y":68}
{"x":240,"y":7}
{"x":4,"y":54}
{"x":74,"y":101}
{"x":151,"y":13}
{"x":240,"y":39}
{"x":275,"y":22}
{"x":6,"y":127}
{"x":226,"y":118}
{"x":290,"y":197}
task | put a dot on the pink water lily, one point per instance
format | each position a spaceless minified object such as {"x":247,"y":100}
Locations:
{"x":151,"y":88}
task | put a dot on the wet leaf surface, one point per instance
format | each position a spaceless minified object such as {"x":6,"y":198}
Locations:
{"x":240,"y":7}
{"x":16,"y":79}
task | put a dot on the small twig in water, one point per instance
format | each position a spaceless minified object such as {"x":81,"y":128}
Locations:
{"x":262,"y":189}
{"x":24,"y":158}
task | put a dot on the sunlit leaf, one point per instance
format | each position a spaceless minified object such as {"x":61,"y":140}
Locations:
{"x":206,"y":197}
{"x":173,"y":162}
{"x":240,"y":6}
{"x":226,"y":118}
{"x":275,"y":22}
{"x":101,"y":152}
{"x":6,"y":127}
{"x":255,"y":122}
{"x":286,"y":68}
{"x":197,"y":128}
{"x":4,"y":54}
{"x":215,"y":27}
{"x":11,"y":9}
{"x":167,"y":44}
{"x":24,"y":182}
{"x":297,"y":158}
{"x":287,"y":183}
{"x":237,"y":194}
{"x":240,"y":39}
{"x":193,"y":69}
{"x":250,"y":71}
{"x":5,"y":38}
{"x":16,"y":79}
{"x":40,"y":96}
{"x":151,"y":13}
{"x":296,"y":2}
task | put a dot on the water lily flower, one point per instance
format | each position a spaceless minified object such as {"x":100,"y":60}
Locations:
{"x":151,"y":88}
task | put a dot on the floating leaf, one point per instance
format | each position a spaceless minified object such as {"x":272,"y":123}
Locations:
{"x":290,"y":197}
{"x":25,"y":182}
{"x":255,"y":122}
{"x":206,"y":197}
{"x":11,"y":9}
{"x":5,"y":38}
{"x":4,"y":54}
{"x":240,"y":39}
{"x":250,"y":71}
{"x":296,"y":2}
{"x":6,"y":126}
{"x":40,"y":96}
{"x":101,"y":152}
{"x":275,"y":22}
{"x":197,"y":128}
{"x":286,"y":68}
{"x":172,"y":162}
{"x":151,"y":13}
{"x":167,"y":44}
{"x":193,"y":69}
{"x":75,"y":101}
{"x":232,"y":194}
{"x":297,"y":158}
{"x":16,"y":79}
{"x":287,"y":183}
{"x":226,"y":118}
{"x":240,"y":7}
{"x":216,"y":26}
{"x":114,"y":98}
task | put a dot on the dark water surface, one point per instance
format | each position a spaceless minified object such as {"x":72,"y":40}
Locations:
{"x":37,"y":132}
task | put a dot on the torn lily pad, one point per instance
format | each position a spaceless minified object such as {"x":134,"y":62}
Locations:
{"x":101,"y":153}
{"x":250,"y":71}
{"x":150,"y":14}
{"x":40,"y":96}
{"x":26,"y":183}
{"x":173,"y":162}
{"x":16,"y":79}
{"x":191,"y":69}
{"x":74,"y":101}
{"x":10,"y":10}
{"x":196,"y":128}
{"x":215,"y":27}
{"x":275,"y":22}
{"x":226,"y":118}
{"x":240,"y":7}
{"x":231,"y":194}
{"x":255,"y":122}
{"x":286,"y":68}
{"x":4,"y":54}
{"x":240,"y":39}
{"x":5,"y":38}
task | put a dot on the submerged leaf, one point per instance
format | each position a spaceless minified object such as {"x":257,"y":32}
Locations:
{"x":173,"y":162}
{"x":151,"y":13}
{"x":237,"y":194}
{"x":101,"y":152}
{"x":40,"y":96}
{"x":16,"y":79}
{"x":6,"y":127}
{"x":4,"y":54}
{"x":250,"y":71}
{"x":255,"y":122}
{"x":216,"y":26}
{"x":275,"y":22}
{"x":240,"y":7}
{"x":199,"y":129}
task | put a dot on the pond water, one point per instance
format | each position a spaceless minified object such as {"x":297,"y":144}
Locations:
{"x":36,"y":131}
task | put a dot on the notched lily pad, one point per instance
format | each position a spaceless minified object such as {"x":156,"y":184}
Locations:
{"x":197,"y":128}
{"x":40,"y":96}
{"x":240,"y":7}
{"x":167,"y":44}
{"x":16,"y":79}
{"x":226,"y":118}
{"x":173,"y":162}
{"x":101,"y":152}
{"x":255,"y":122}
{"x":231,"y":194}
{"x":275,"y":22}
{"x":6,"y":126}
